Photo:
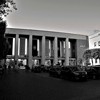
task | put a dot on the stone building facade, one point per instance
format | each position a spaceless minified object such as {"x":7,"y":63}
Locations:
{"x":45,"y":47}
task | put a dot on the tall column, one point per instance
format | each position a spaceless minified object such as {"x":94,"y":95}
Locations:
{"x":13,"y":47}
{"x":27,"y":46}
{"x":47,"y":48}
{"x":55,"y":51}
{"x":27,"y":51}
{"x":16,"y":47}
{"x":40,"y":48}
{"x":50,"y":48}
{"x":30,"y":51}
{"x":43,"y":50}
{"x":66,"y":52}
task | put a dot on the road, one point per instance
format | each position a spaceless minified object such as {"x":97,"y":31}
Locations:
{"x":31,"y":86}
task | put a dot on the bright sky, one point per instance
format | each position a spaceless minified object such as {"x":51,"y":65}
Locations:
{"x":70,"y":16}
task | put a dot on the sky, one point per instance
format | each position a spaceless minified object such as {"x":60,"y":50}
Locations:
{"x":69,"y":16}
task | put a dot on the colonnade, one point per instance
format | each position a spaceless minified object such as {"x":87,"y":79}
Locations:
{"x":43,"y":45}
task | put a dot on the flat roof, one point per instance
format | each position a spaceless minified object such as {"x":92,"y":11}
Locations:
{"x":44,"y":33}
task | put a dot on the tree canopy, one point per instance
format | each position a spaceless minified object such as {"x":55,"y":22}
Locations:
{"x":92,"y":53}
{"x":6,"y":7}
{"x":4,"y":45}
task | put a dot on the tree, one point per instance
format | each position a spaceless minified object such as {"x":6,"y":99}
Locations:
{"x":4,"y":45}
{"x":92,"y":53}
{"x":96,"y":54}
{"x":6,"y":7}
{"x":88,"y":55}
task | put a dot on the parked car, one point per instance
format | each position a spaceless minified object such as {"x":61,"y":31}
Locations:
{"x":91,"y":72}
{"x":55,"y":71}
{"x":97,"y":72}
{"x":36,"y":69}
{"x":45,"y":68}
{"x":41,"y":68}
{"x":65,"y":73}
{"x":72,"y":73}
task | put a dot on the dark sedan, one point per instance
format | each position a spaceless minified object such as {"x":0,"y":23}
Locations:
{"x":36,"y":69}
{"x":72,"y":73}
{"x":55,"y":71}
{"x":91,"y":72}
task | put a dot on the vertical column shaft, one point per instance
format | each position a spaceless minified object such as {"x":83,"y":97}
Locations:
{"x":30,"y":51}
{"x":16,"y":47}
{"x":40,"y":48}
{"x":43,"y":50}
{"x":55,"y":51}
{"x":66,"y":52}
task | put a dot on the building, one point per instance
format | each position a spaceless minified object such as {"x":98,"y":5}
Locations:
{"x":45,"y":47}
{"x":94,"y":40}
{"x":94,"y":43}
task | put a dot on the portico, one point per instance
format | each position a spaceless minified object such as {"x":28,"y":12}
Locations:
{"x":43,"y":47}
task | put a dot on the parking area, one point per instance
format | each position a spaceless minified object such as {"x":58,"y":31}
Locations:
{"x":24,"y":85}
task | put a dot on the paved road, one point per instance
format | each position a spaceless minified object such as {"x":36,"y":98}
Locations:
{"x":30,"y":86}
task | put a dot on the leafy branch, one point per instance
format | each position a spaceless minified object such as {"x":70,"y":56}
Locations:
{"x":6,"y":7}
